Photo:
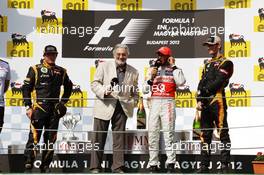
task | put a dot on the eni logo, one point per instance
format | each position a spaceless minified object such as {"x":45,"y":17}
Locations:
{"x":78,"y":97}
{"x":259,"y":70}
{"x":19,"y":46}
{"x":14,"y":96}
{"x":237,"y":96}
{"x":3,"y":23}
{"x":183,"y":4}
{"x":129,"y":5}
{"x":259,"y":21}
{"x":234,"y":4}
{"x":75,"y":5}
{"x":49,"y":23}
{"x":184,"y":97}
{"x":20,"y":4}
{"x":237,"y":47}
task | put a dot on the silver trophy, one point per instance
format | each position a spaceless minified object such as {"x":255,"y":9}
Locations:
{"x":70,"y":121}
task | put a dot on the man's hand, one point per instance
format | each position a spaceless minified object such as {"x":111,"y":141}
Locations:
{"x":60,"y":110}
{"x":199,"y":106}
{"x":29,"y":113}
{"x":154,"y":72}
{"x":171,"y":60}
{"x":108,"y":90}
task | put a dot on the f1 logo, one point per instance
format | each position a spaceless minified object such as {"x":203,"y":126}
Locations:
{"x":131,"y":32}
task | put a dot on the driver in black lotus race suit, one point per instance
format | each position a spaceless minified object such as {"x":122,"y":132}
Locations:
{"x":212,"y":103}
{"x":44,"y":81}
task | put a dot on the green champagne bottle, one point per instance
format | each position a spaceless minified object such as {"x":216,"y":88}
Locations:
{"x":197,"y":125}
{"x":141,"y":115}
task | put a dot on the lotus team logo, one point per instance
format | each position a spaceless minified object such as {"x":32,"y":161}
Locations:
{"x":184,"y":97}
{"x":259,"y":21}
{"x":14,"y":95}
{"x":238,"y":96}
{"x":129,"y":5}
{"x":237,"y":46}
{"x":49,"y":23}
{"x":259,"y":70}
{"x":19,"y":46}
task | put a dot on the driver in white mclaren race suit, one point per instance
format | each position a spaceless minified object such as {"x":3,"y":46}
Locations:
{"x":164,"y":76}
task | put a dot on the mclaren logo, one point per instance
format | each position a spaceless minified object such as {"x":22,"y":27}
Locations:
{"x":131,"y":33}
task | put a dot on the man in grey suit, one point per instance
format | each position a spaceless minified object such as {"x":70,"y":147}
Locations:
{"x":115,"y":85}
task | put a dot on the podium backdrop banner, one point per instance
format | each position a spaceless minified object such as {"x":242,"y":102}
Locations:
{"x":92,"y":34}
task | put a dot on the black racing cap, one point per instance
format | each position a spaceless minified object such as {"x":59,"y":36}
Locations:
{"x":212,"y":40}
{"x":50,"y":49}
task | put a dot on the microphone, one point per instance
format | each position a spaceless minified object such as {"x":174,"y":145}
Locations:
{"x":155,"y":63}
{"x":114,"y":82}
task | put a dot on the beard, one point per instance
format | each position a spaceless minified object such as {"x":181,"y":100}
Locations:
{"x":120,"y":63}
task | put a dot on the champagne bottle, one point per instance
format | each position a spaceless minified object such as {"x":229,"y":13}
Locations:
{"x":141,"y":115}
{"x":197,"y":125}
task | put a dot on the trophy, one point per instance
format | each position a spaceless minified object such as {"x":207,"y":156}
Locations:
{"x":70,"y":121}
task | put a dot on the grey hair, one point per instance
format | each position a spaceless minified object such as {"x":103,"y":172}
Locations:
{"x":121,"y":46}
